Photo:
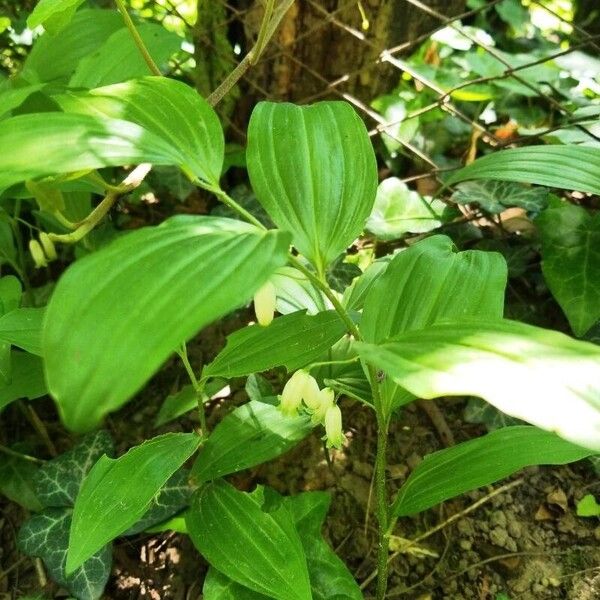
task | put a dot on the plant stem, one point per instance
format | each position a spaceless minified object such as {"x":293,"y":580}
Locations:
{"x":381,"y":503}
{"x":137,"y":38}
{"x":231,"y":203}
{"x":21,"y":456}
{"x":215,"y":97}
{"x":198,"y":387}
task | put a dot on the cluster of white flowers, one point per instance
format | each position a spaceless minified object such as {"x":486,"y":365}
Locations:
{"x":302,"y":392}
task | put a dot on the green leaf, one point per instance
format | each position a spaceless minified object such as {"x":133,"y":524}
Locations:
{"x":341,"y":273}
{"x":564,"y":167}
{"x":46,"y":536}
{"x":173,"y":497}
{"x":482,"y":461}
{"x":119,"y":59}
{"x":58,"y":481}
{"x":541,"y":376}
{"x":26,"y":379}
{"x":399,"y":210}
{"x":496,"y":196}
{"x":22,"y":327}
{"x":314,"y":170}
{"x":118,"y":492}
{"x":571,"y":262}
{"x":588,"y":507}
{"x":329,"y":576}
{"x":54,"y":58}
{"x":53,"y":14}
{"x":295,"y":292}
{"x":17,"y":482}
{"x":293,"y":340}
{"x":428,"y":282}
{"x":268,"y":556}
{"x":184,"y":400}
{"x":10,"y":293}
{"x":75,"y":143}
{"x":161,"y":286}
{"x":166,"y":108}
{"x":250,"y":435}
{"x":12,"y":98}
{"x":219,"y":587}
{"x":480,"y":412}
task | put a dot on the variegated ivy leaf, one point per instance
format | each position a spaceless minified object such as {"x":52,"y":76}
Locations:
{"x":496,"y":196}
{"x":58,"y":481}
{"x":46,"y":536}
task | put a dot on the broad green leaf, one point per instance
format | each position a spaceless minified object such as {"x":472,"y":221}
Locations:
{"x":173,"y":497}
{"x":428,"y":282}
{"x":26,"y":379}
{"x":496,"y":196}
{"x":355,"y":294}
{"x":293,"y":340}
{"x":118,"y":492}
{"x":478,"y":462}
{"x":169,"y":109}
{"x":571,"y":262}
{"x":219,"y":587}
{"x":54,"y":58}
{"x":12,"y":98}
{"x":295,"y":292}
{"x":10,"y":293}
{"x":53,"y":14}
{"x":119,"y":59}
{"x":22,"y":327}
{"x":158,"y":287}
{"x":564,"y":167}
{"x":250,"y":435}
{"x":329,"y":576}
{"x":17,"y":482}
{"x":267,"y":555}
{"x":313,"y":169}
{"x":46,"y":535}
{"x":75,"y":143}
{"x":184,"y":400}
{"x":541,"y":376}
{"x":399,"y":210}
{"x":58,"y":481}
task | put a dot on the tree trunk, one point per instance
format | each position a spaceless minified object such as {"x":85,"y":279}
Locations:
{"x":339,"y":42}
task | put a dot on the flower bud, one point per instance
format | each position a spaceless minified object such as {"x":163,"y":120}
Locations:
{"x":265,"y":301}
{"x":48,"y":246}
{"x":326,"y":400}
{"x":333,"y":427}
{"x":293,"y":391}
{"x":39,"y":258}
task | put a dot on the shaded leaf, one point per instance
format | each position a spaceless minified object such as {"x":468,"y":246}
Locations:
{"x":293,"y":340}
{"x":26,"y":379}
{"x":53,"y":14}
{"x":480,"y":412}
{"x":175,"y":278}
{"x":295,"y":292}
{"x":571,"y":262}
{"x":308,"y":165}
{"x":482,"y":461}
{"x":250,"y":435}
{"x":17,"y":482}
{"x":46,"y":536}
{"x":496,"y":196}
{"x":22,"y":327}
{"x":219,"y":587}
{"x":118,"y":492}
{"x":541,"y":376}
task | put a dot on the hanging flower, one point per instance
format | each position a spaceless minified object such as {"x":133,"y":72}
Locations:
{"x":39,"y":258}
{"x":333,"y":427}
{"x":293,"y":392}
{"x":265,"y":301}
{"x":326,"y":400}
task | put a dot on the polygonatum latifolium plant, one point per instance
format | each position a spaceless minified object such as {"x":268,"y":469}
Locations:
{"x":424,"y":322}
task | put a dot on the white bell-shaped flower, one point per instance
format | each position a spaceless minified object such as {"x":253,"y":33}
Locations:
{"x":333,"y":427}
{"x":265,"y":301}
{"x":326,"y":400}
{"x":293,"y":392}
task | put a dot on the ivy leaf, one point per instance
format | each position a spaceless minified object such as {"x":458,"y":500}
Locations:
{"x":571,"y":262}
{"x":399,"y":210}
{"x":173,"y":497}
{"x":480,"y":412}
{"x":340,"y":273}
{"x":46,"y":536}
{"x":496,"y":196}
{"x":57,"y":482}
{"x":309,"y":167}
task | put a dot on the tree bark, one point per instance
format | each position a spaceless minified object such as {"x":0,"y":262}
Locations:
{"x":324,"y":43}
